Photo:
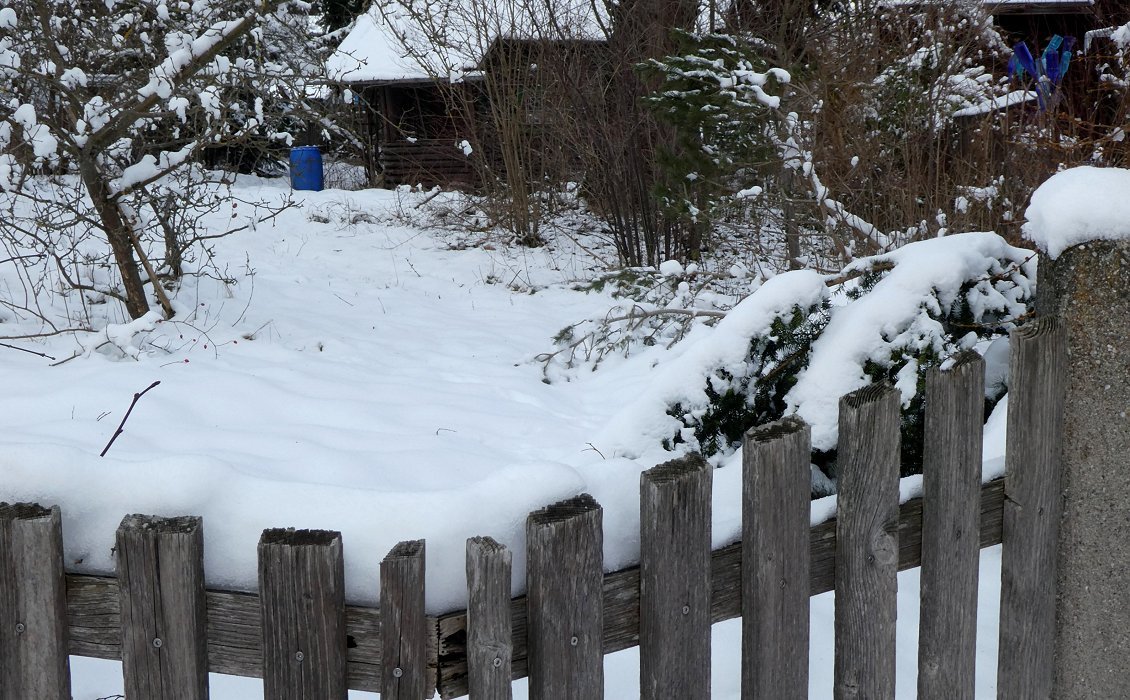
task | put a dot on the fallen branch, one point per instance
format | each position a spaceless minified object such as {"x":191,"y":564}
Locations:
{"x":122,"y":425}
{"x":33,"y":352}
{"x":643,"y":315}
{"x":429,"y":198}
{"x":604,"y":337}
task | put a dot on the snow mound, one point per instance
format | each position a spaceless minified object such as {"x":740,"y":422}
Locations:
{"x":1079,"y":205}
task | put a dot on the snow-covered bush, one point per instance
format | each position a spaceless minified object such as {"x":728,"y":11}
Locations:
{"x":803,"y":340}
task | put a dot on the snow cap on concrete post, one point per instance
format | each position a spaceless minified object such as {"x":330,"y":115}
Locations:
{"x":1080,"y":220}
{"x":1077,"y":206}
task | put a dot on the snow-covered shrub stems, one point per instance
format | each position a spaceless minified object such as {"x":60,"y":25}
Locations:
{"x":802,"y":340}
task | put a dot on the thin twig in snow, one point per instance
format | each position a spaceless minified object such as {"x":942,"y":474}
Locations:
{"x":122,"y":425}
{"x":33,"y":352}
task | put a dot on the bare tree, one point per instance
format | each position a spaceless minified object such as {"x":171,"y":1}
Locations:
{"x":108,"y":106}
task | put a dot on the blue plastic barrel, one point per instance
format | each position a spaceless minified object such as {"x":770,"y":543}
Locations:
{"x":306,"y":168}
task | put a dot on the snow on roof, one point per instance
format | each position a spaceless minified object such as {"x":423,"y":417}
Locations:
{"x":392,"y":42}
{"x":1037,"y":7}
{"x":1079,"y":205}
{"x":1038,"y":2}
{"x":1010,"y":6}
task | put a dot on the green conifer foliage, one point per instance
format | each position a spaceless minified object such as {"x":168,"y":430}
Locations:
{"x":711,"y":95}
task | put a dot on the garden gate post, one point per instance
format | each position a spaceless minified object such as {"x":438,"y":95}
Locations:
{"x":1088,"y":286}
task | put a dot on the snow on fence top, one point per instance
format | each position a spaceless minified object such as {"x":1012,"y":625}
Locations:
{"x":1079,"y":205}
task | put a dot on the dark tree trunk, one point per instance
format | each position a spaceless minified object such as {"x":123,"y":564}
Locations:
{"x":119,"y":237}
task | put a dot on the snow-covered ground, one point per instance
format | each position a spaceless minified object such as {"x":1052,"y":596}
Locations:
{"x":376,"y":378}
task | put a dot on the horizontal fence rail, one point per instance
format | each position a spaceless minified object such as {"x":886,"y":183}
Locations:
{"x":234,"y":624}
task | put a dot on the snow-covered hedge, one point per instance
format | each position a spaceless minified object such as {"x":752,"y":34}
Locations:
{"x":802,"y":340}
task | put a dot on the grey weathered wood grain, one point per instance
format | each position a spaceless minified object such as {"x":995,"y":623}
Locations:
{"x":235,"y":644}
{"x":564,"y":555}
{"x":675,"y":507}
{"x":33,"y":622}
{"x":235,"y":633}
{"x":1031,"y":510}
{"x":161,"y":582}
{"x":867,"y":552}
{"x":489,"y":645}
{"x":621,"y":628}
{"x":776,"y":495}
{"x":404,"y":626}
{"x":947,"y":646}
{"x":94,"y":616}
{"x":302,"y":599}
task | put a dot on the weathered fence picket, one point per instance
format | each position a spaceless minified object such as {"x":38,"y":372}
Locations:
{"x":161,"y":579}
{"x":1031,"y":510}
{"x":489,"y":643}
{"x":675,"y":512}
{"x":776,"y":494}
{"x":33,"y":623}
{"x":302,"y":598}
{"x":403,"y":623}
{"x":564,"y":574}
{"x":867,"y":548}
{"x":951,"y":479}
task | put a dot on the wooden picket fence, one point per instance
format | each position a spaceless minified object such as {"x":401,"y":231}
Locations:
{"x":300,"y":637}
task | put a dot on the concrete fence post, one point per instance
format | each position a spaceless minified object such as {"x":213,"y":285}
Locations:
{"x":1088,"y":286}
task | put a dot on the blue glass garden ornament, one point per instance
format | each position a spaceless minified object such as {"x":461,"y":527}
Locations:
{"x":1047,"y":72}
{"x":1027,"y":64}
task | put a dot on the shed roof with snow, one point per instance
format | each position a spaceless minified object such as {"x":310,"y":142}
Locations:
{"x":1037,"y":6}
{"x":392,"y":42}
{"x":1010,"y":7}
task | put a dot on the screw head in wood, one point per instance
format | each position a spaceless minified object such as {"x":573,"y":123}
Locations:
{"x":497,"y":662}
{"x":157,"y":642}
{"x":574,"y":641}
{"x":397,"y":672}
{"x":686,"y":610}
{"x":299,"y":656}
{"x":20,"y":628}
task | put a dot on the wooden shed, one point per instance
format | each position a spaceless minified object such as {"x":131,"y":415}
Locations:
{"x":415,"y":137}
{"x":418,"y":83}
